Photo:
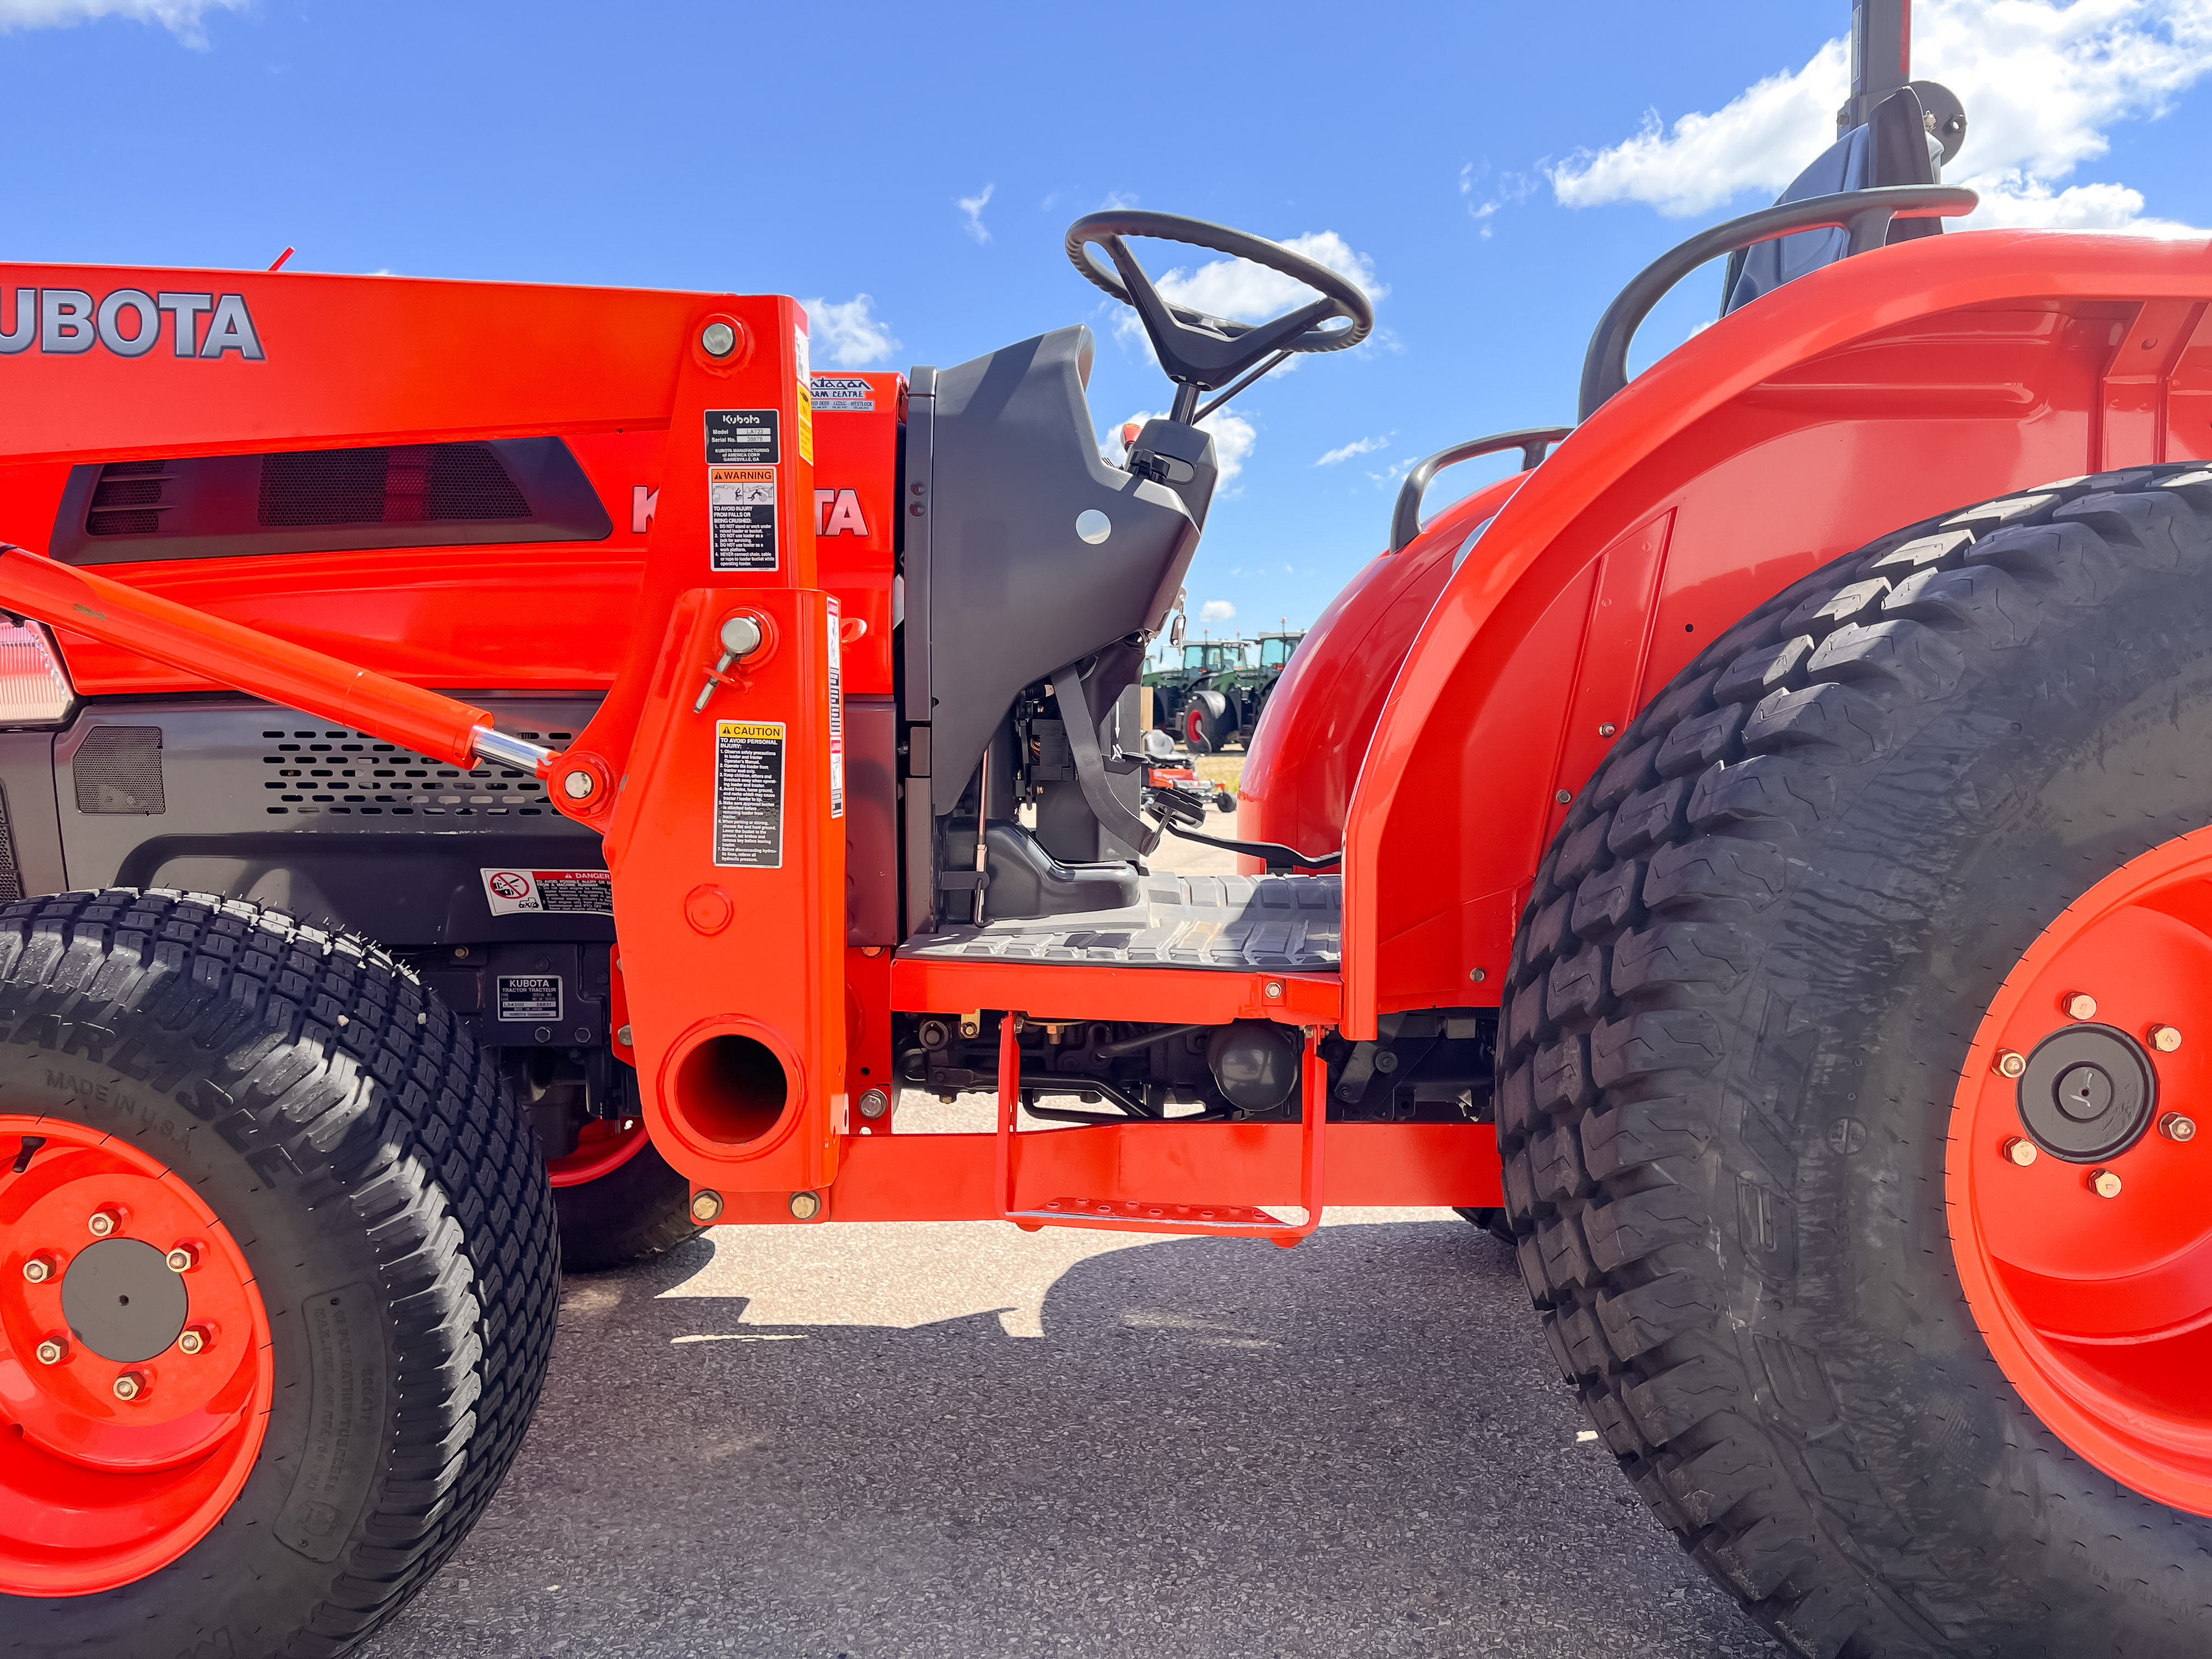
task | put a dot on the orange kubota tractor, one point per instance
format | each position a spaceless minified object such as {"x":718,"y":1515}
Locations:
{"x":1756,"y":859}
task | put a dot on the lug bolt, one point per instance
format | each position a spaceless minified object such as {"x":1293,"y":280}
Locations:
{"x":104,"y":1223}
{"x":2174,"y":1127}
{"x":183,"y":1259}
{"x":2020,"y":1151}
{"x":706,"y":1206}
{"x":196,"y":1339}
{"x":40,"y":1268}
{"x":2105,"y":1183}
{"x":2010,"y":1064}
{"x":874,"y":1104}
{"x":2080,"y":1006}
{"x":806,"y":1206}
{"x":2165,"y":1039}
{"x":130,"y":1386}
{"x":52,"y":1351}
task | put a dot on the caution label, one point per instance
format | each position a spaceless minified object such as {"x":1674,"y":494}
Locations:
{"x":837,"y":714}
{"x":526,"y":999}
{"x":749,"y":794}
{"x":742,"y":437}
{"x":741,"y":517}
{"x":842,"y":391}
{"x":548,"y":892}
{"x":805,"y":392}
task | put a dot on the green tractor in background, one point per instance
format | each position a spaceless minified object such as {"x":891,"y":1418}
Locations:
{"x":1223,"y":706}
{"x":1204,"y":666}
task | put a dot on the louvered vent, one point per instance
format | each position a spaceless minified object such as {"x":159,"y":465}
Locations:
{"x":415,"y":483}
{"x":127,"y":501}
{"x":351,"y":773}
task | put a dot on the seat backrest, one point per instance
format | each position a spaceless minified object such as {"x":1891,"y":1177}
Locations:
{"x":1893,"y":147}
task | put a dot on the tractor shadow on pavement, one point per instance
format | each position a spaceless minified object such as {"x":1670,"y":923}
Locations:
{"x":1215,"y":1447}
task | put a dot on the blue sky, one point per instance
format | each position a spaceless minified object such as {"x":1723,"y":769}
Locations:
{"x":1497,"y":169}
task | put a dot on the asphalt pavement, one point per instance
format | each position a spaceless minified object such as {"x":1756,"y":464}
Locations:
{"x":960,"y":1441}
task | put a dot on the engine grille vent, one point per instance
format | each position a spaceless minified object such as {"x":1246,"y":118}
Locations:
{"x":119,"y":769}
{"x":414,"y":483}
{"x":127,"y":499}
{"x":343,"y":773}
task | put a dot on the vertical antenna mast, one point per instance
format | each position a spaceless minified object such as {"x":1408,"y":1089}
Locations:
{"x":1881,"y":58}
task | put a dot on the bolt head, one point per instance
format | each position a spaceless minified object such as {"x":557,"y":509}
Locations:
{"x":622,"y":1036}
{"x":805,"y":1206}
{"x":2165,"y":1039}
{"x":1607,"y":728}
{"x":1563,"y":796}
{"x":52,"y":1351}
{"x":874,"y":1104}
{"x":1274,"y":989}
{"x":2010,"y":1064}
{"x":578,"y":785}
{"x":194,"y":1340}
{"x":2175,"y":1126}
{"x":2020,"y":1151}
{"x":2080,"y":1006}
{"x":718,"y":339}
{"x":2104,"y":1184}
{"x":183,"y":1259}
{"x":103,"y":1223}
{"x":39,"y":1269}
{"x":705,"y":1206}
{"x":130,"y":1386}
{"x":1476,"y":975}
{"x":968,"y":1029}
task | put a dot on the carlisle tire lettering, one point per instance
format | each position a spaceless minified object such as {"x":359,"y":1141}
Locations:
{"x":68,"y":322}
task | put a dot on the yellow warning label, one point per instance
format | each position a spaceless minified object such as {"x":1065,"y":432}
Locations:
{"x":756,"y":730}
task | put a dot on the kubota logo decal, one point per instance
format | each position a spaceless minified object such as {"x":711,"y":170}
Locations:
{"x":837,"y":513}
{"x":65,"y":321}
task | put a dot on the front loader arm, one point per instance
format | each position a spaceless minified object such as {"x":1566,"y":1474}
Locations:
{"x":291,"y":676}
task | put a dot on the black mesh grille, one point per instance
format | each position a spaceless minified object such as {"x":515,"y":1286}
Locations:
{"x":413,"y":483}
{"x":119,"y":769}
{"x":11,"y":874}
{"x":312,"y":772}
{"x":127,"y":499}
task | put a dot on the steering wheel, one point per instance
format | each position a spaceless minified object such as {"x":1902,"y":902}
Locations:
{"x":1201,"y":352}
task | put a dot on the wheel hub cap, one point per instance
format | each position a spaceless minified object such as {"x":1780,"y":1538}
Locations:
{"x":121,"y":1300}
{"x":2088,"y":1093}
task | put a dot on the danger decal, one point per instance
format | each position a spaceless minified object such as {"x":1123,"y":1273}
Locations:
{"x":511,"y":892}
{"x":749,"y":794}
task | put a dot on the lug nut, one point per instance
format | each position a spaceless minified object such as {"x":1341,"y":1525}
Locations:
{"x":874,"y":1104}
{"x":183,"y":1259}
{"x":806,"y":1206}
{"x":52,"y":1351}
{"x":2010,"y":1064}
{"x":104,"y":1223}
{"x":41,"y":1268}
{"x":196,"y":1339}
{"x":2165,"y":1039}
{"x":2174,"y":1127}
{"x":2080,"y":1006}
{"x":130,"y":1386}
{"x":2105,"y":1183}
{"x":706,"y":1206}
{"x":2020,"y":1151}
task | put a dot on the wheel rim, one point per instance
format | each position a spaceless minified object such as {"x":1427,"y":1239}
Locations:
{"x":2078,"y":1175}
{"x":603,"y":1146}
{"x":96,"y":1489}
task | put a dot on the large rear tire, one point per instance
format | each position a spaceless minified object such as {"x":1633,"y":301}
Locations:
{"x":295,"y":1286}
{"x":1742,"y":1101}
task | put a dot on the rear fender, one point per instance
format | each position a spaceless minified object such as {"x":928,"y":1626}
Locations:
{"x":1857,"y":399}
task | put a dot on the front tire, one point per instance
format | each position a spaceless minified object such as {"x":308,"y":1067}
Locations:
{"x":1753,"y":972}
{"x":359,"y":1241}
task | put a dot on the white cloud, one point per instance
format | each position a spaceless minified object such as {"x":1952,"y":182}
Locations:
{"x":1246,"y":293}
{"x":2042,"y":82}
{"x":1217,"y":610}
{"x":846,"y":333}
{"x":1357,"y":446}
{"x":973,"y":207}
{"x":1233,"y":438}
{"x":180,"y":17}
{"x":1510,"y":191}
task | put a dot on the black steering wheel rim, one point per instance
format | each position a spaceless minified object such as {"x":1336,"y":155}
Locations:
{"x":1198,"y":349}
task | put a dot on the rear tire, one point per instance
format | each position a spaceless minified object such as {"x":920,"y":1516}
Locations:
{"x":355,"y":1147}
{"x":1742,"y":999}
{"x":637,"y":1211}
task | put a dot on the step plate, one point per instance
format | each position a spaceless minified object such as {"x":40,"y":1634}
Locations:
{"x":1291,"y":923}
